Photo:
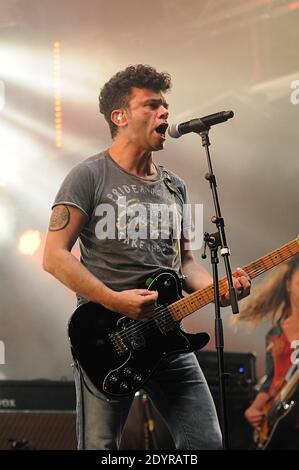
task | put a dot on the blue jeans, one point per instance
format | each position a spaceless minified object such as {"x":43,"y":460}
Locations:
{"x":178,"y":390}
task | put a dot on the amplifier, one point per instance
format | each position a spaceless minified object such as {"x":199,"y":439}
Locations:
{"x":240,"y":391}
{"x":40,"y":414}
{"x":37,"y":415}
{"x":240,"y":367}
{"x":37,"y":395}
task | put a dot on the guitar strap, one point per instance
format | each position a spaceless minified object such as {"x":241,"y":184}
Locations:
{"x":168,"y":181}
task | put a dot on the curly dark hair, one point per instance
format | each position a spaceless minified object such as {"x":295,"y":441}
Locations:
{"x":116,"y":92}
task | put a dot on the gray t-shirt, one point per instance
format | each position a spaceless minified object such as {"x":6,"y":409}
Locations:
{"x":132,"y":228}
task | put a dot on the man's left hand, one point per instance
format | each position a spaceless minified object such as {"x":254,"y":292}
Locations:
{"x":242,"y":284}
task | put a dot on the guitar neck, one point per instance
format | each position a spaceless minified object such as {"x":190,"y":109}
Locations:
{"x":198,"y":299}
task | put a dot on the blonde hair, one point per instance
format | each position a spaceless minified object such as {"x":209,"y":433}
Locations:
{"x":271,"y":298}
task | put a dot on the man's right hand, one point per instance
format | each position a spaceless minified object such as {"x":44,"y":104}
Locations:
{"x":65,"y":226}
{"x":138,"y":304}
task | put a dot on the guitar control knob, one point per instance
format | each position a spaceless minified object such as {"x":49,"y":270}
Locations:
{"x":127,"y":371}
{"x":113,"y":378}
{"x":124,"y":386}
{"x":138,"y":378}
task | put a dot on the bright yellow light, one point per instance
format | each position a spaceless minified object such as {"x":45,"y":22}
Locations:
{"x":29,"y":242}
{"x":57,"y":93}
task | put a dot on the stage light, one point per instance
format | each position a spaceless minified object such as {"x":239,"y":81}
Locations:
{"x":29,"y":242}
{"x":57,"y":94}
{"x":19,"y":66}
{"x":34,"y":68}
{"x":293,"y":5}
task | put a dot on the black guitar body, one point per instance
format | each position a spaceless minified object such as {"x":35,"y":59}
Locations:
{"x":119,"y":354}
{"x":284,"y":435}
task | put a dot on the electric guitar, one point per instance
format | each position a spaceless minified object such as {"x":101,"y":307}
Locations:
{"x":119,"y":354}
{"x":275,"y":409}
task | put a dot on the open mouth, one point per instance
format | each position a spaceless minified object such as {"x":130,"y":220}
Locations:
{"x":161,"y":129}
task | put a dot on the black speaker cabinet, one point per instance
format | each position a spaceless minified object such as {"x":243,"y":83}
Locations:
{"x":40,"y":414}
{"x":240,"y":391}
{"x":40,"y":430}
{"x":37,"y":415}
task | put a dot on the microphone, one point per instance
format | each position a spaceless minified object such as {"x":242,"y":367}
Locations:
{"x":199,"y":124}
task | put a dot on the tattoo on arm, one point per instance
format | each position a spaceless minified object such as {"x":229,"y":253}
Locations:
{"x":60,"y":218}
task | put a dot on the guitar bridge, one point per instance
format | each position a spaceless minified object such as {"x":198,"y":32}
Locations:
{"x":118,"y":342}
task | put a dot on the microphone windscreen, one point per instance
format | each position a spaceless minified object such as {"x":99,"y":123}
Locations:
{"x":173,"y":131}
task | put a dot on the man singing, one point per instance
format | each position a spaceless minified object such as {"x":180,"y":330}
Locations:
{"x":114,"y":264}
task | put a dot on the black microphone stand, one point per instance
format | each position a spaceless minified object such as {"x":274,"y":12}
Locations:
{"x":214,"y":241}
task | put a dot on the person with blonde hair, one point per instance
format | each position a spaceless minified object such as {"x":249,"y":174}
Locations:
{"x":277,"y":297}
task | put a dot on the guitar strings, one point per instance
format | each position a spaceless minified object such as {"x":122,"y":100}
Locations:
{"x":145,"y":325}
{"x":151,"y":326}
